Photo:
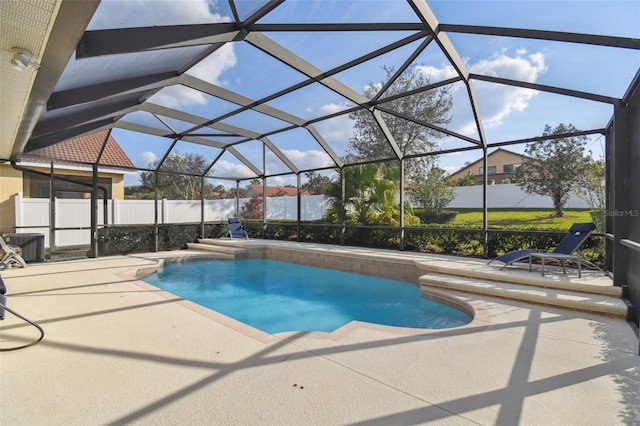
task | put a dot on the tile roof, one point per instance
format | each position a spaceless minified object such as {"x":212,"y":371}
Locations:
{"x":84,"y":149}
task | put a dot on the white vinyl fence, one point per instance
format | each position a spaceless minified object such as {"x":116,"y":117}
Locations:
{"x":34,"y":212}
{"x":507,"y":196}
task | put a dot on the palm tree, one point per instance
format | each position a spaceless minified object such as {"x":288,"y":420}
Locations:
{"x":370,"y":195}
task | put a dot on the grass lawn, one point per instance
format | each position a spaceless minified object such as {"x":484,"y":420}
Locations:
{"x":543,"y":218}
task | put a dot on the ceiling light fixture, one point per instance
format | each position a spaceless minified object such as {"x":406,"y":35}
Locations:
{"x":23,"y":59}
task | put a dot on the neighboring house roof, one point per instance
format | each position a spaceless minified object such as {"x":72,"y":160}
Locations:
{"x":84,"y":149}
{"x":277,"y":190}
{"x":479,"y":160}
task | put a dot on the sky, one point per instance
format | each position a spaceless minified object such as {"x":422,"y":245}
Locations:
{"x":507,"y":112}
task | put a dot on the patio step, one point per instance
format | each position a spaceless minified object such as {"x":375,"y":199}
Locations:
{"x":592,"y":282}
{"x":225,"y":252}
{"x":592,"y":293}
{"x":567,"y":299}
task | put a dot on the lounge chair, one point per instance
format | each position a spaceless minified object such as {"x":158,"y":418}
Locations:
{"x":236,"y":230}
{"x":570,"y":244}
{"x":11,"y":256}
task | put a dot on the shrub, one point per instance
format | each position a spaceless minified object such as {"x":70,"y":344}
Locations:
{"x":435,"y":217}
{"x":468,"y":241}
{"x":141,"y":238}
{"x":125,"y":239}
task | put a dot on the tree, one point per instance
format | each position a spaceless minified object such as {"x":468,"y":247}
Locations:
{"x":316,"y":183}
{"x":138,"y":192}
{"x":432,"y":106}
{"x":252,"y":209}
{"x":177,"y":186}
{"x":370,"y":196}
{"x":592,"y":189}
{"x":467,"y":180}
{"x":593,"y":192}
{"x":219,"y":192}
{"x":430,"y":189}
{"x":222,"y":192}
{"x":554,"y":167}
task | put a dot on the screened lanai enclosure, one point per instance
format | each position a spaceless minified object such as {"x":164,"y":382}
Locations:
{"x":288,"y":93}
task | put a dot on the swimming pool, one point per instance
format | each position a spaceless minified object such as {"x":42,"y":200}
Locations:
{"x":276,"y":296}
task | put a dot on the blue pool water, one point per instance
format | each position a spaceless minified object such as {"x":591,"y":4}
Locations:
{"x":277,"y":296}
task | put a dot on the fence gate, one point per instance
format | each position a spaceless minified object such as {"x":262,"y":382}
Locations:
{"x":70,"y":226}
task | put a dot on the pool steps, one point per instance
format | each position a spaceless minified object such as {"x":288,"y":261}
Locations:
{"x":518,"y":284}
{"x":225,"y":252}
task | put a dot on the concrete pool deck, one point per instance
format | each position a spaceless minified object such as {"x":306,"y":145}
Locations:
{"x":118,"y":351}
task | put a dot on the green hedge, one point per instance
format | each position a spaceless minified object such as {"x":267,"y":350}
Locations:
{"x":125,"y":239}
{"x":468,"y":242}
{"x":432,"y":239}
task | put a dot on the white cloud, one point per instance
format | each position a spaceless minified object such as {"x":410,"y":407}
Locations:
{"x":516,"y":68}
{"x":538,"y":60}
{"x":468,"y":129}
{"x":308,"y":159}
{"x":178,"y":96}
{"x":225,"y":168}
{"x":375,"y":88}
{"x":148,"y":13}
{"x":332,"y":108}
{"x":209,"y":69}
{"x":142,"y":160}
{"x":146,"y":158}
{"x":336,"y":131}
{"x":213,"y":66}
{"x":499,"y":101}
{"x":281,"y":181}
{"x":437,"y":74}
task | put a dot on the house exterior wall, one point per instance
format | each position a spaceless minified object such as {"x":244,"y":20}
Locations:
{"x":250,"y":192}
{"x":12,"y":182}
{"x":117,"y":181}
{"x":117,"y":184}
{"x":497,"y":159}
